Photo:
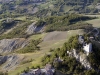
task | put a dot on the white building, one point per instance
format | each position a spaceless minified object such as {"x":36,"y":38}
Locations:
{"x":87,"y":48}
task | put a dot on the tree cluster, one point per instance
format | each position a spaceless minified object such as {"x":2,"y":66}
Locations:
{"x":31,"y":47}
{"x":68,"y":22}
{"x":18,"y":32}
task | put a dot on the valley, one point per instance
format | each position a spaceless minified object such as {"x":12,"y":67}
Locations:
{"x":36,"y":33}
{"x":51,"y":40}
{"x":46,"y":45}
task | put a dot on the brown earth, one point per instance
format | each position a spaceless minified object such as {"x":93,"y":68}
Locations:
{"x":56,"y":35}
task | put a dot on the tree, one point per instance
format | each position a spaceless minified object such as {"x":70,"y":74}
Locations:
{"x":91,"y":72}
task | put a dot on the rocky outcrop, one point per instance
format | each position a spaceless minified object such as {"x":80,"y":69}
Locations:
{"x":9,"y":45}
{"x":34,"y":29}
{"x":3,"y":59}
{"x":10,"y":61}
{"x":81,"y":57}
{"x":48,"y":70}
{"x":31,"y":28}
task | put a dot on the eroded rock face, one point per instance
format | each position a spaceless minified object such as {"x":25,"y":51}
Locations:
{"x":31,"y":28}
{"x":34,"y":29}
{"x":9,"y":45}
{"x":10,"y":61}
{"x":3,"y":59}
{"x":81,"y":57}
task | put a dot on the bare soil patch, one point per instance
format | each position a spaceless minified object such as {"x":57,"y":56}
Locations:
{"x":56,"y":35}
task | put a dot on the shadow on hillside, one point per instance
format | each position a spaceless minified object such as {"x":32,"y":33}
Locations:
{"x":58,"y":73}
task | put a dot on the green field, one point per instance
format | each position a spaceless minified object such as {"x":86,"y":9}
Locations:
{"x":94,"y":22}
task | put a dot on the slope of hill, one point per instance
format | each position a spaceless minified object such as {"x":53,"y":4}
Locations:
{"x":31,"y":29}
{"x":38,"y":43}
{"x":72,"y":59}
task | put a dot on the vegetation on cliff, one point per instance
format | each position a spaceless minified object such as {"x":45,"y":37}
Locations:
{"x":70,"y":65}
